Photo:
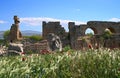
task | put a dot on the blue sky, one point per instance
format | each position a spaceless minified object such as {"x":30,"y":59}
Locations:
{"x":33,"y":12}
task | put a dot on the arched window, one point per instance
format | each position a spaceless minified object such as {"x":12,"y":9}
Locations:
{"x":90,"y":31}
{"x":111,"y":29}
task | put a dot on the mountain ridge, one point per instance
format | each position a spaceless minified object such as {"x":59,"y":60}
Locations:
{"x":24,"y":33}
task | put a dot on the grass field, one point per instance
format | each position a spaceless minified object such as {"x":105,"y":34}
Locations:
{"x":102,"y":63}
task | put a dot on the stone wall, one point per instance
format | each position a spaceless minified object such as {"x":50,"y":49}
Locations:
{"x":76,"y":34}
{"x":57,"y":29}
{"x":53,"y":27}
{"x":36,"y":47}
{"x":113,"y":42}
{"x":98,"y":27}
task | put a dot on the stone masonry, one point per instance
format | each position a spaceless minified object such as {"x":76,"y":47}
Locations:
{"x":57,"y":29}
{"x":77,"y":31}
{"x":36,"y":47}
{"x":77,"y":34}
{"x":53,"y":27}
{"x":15,"y":33}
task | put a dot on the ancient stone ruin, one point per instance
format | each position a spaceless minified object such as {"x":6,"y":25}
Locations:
{"x":54,"y":42}
{"x":76,"y":36}
{"x":15,"y":33}
{"x":53,"y":27}
{"x":56,"y":38}
{"x":36,"y":47}
{"x":57,"y":29}
{"x":77,"y":31}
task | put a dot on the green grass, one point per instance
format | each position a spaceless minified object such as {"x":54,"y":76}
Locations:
{"x":1,"y":41}
{"x":102,"y":63}
{"x":34,"y":37}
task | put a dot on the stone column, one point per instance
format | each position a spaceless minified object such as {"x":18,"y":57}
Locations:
{"x":15,"y":33}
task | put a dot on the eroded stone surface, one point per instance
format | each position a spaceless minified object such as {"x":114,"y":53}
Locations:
{"x":54,"y":42}
{"x":77,"y":32}
{"x":15,"y":47}
{"x":15,"y":33}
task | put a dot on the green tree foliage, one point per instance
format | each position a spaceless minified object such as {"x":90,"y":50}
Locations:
{"x":90,"y":34}
{"x":66,"y":48}
{"x":1,"y":41}
{"x":107,"y":34}
{"x":34,"y":37}
{"x":6,"y":33}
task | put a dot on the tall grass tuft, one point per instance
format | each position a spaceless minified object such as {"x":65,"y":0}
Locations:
{"x":102,"y":63}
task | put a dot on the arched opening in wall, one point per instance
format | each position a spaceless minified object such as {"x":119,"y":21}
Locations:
{"x":119,"y":45}
{"x":90,"y":31}
{"x":112,"y":30}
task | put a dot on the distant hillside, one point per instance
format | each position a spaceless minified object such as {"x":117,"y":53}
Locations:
{"x":30,"y":32}
{"x":1,"y":34}
{"x":24,"y":33}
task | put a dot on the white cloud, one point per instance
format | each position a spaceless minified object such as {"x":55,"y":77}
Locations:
{"x":2,"y":22}
{"x":114,"y":19}
{"x":37,"y":21}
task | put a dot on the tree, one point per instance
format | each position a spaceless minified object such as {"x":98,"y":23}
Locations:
{"x":90,"y":34}
{"x":107,"y":34}
{"x":5,"y":35}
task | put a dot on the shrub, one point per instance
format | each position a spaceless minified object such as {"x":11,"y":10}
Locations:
{"x":107,"y":34}
{"x":5,"y":35}
{"x":102,"y":63}
{"x":1,"y":41}
{"x":66,"y":48}
{"x":34,"y":37}
{"x":90,"y":34}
